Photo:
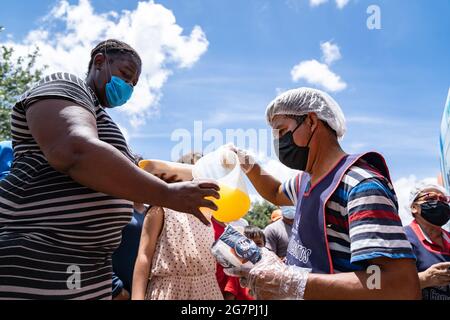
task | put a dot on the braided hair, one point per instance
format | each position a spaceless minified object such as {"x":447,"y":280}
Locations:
{"x":113,"y":47}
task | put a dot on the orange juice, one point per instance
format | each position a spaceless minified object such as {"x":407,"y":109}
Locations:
{"x":233,"y":204}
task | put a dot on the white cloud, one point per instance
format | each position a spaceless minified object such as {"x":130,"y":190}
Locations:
{"x":150,"y":28}
{"x":330,"y":52}
{"x":365,"y":120}
{"x":222,"y":118}
{"x":356,"y":147}
{"x":316,"y":73}
{"x":125,"y":133}
{"x":279,"y":91}
{"x":342,"y":3}
{"x":315,"y":3}
{"x":339,"y":3}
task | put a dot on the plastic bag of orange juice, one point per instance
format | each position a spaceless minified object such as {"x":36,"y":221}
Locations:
{"x":223,"y":166}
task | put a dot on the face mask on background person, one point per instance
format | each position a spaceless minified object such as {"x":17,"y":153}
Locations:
{"x":435,"y":212}
{"x":288,"y":212}
{"x":289,"y":153}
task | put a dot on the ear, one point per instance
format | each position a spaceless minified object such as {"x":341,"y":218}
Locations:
{"x":415,"y":209}
{"x":99,"y":61}
{"x":313,"y":121}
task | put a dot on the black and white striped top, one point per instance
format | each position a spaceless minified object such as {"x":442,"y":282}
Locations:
{"x":57,"y":236}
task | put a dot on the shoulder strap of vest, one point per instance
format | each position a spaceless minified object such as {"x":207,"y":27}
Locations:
{"x":378,"y":162}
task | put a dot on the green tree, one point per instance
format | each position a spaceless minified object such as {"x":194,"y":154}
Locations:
{"x":16,"y":77}
{"x":259,"y":214}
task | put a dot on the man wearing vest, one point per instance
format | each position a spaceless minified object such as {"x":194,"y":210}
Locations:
{"x":347,"y":239}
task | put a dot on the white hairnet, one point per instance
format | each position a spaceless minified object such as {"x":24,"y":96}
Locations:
{"x":424,"y":186}
{"x":301,"y":101}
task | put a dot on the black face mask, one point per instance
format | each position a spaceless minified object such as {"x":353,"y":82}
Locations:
{"x":435,"y":212}
{"x":289,"y":153}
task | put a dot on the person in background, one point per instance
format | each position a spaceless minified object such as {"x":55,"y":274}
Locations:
{"x":221,"y":277}
{"x":255,"y":234}
{"x":124,"y":258}
{"x":276,"y":215}
{"x":229,"y":286}
{"x":6,"y":158}
{"x":279,"y":233}
{"x":429,"y":205}
{"x":233,"y":289}
{"x":174,"y":260}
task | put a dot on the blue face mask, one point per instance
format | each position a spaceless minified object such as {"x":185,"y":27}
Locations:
{"x":288,"y":212}
{"x":118,"y":92}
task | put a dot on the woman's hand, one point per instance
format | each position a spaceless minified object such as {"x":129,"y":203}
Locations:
{"x":190,"y":196}
{"x":438,"y":275}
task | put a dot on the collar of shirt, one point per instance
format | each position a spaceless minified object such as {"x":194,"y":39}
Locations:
{"x":445,"y":240}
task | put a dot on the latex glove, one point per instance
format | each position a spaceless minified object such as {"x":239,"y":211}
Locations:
{"x":246,"y":160}
{"x":240,"y":272}
{"x":271,"y":279}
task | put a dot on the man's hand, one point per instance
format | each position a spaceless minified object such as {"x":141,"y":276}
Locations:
{"x":246,"y":160}
{"x":435,"y":276}
{"x":271,"y":279}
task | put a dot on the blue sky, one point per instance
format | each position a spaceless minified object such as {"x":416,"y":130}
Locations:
{"x":397,"y":77}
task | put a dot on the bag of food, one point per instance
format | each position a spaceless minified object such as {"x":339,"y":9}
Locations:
{"x":234,"y":250}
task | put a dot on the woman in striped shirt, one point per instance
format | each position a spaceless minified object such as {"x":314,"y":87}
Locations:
{"x":73,"y":181}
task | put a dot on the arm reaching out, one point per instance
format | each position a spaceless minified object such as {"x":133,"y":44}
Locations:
{"x":272,"y":279}
{"x":269,"y":187}
{"x":67,"y":135}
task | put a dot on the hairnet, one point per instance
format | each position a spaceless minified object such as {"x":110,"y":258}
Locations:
{"x":301,"y":101}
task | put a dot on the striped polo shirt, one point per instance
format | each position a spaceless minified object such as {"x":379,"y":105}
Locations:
{"x":362,"y":219}
{"x":56,"y":235}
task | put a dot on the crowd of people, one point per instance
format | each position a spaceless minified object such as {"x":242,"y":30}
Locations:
{"x":79,"y":219}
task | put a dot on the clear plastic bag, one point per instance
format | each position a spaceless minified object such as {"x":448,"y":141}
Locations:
{"x":223,"y":166}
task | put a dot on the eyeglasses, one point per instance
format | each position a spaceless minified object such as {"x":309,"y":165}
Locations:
{"x":434,"y":197}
